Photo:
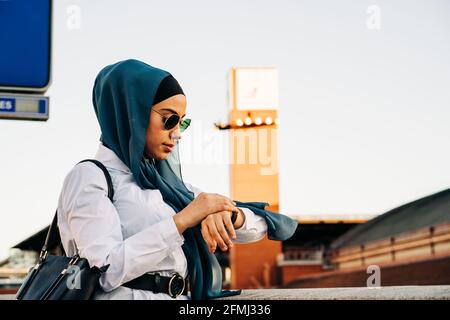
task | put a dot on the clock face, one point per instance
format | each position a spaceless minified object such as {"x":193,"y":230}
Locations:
{"x":256,"y":88}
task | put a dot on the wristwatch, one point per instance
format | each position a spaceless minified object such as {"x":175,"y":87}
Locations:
{"x":234,"y":216}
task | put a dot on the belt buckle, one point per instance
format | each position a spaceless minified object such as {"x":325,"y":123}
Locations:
{"x":176,"y":285}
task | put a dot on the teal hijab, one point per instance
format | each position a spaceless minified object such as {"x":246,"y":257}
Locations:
{"x":123,"y":97}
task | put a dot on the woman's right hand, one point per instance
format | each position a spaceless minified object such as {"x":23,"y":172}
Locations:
{"x":202,"y":206}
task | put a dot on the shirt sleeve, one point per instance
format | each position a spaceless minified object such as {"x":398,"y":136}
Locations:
{"x":254,"y":227}
{"x":95,"y":227}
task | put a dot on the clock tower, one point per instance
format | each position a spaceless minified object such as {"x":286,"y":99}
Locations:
{"x":253,"y":122}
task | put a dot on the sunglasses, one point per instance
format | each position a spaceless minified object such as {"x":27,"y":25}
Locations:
{"x":171,"y":121}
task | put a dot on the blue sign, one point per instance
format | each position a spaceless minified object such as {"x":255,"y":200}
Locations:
{"x":25,"y":45}
{"x":7,"y":105}
{"x":24,"y":107}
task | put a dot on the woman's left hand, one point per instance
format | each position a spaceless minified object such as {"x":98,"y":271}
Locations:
{"x":217,"y":229}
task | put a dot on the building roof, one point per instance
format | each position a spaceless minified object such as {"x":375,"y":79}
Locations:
{"x":37,"y":240}
{"x":425,"y":212}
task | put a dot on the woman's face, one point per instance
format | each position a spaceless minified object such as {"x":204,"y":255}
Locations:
{"x":158,"y":140}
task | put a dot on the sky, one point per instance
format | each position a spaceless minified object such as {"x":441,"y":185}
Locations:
{"x":364,"y":99}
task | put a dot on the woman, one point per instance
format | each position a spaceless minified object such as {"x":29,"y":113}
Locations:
{"x":160,"y":233}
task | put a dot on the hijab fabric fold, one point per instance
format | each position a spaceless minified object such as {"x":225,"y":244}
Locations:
{"x":123,"y":96}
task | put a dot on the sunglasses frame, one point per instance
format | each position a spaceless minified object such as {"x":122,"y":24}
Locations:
{"x":184,"y":124}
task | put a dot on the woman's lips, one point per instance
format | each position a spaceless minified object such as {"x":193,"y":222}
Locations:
{"x":168,"y":147}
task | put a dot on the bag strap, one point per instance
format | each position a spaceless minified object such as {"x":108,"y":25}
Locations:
{"x":53,"y":235}
{"x":107,"y":176}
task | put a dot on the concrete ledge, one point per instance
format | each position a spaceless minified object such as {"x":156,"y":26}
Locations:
{"x":360,"y":293}
{"x":383,"y":293}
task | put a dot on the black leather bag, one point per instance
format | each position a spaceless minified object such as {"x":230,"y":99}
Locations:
{"x":61,"y":277}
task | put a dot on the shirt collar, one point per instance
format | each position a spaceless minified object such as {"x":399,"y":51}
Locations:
{"x":110,"y":159}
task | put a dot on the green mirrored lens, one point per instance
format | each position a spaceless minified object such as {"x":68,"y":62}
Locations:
{"x":185,"y":124}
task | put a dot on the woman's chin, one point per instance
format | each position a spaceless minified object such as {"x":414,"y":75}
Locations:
{"x":159,"y":156}
{"x":163,"y":156}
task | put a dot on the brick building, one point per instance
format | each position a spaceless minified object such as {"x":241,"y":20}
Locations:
{"x":410,"y":245}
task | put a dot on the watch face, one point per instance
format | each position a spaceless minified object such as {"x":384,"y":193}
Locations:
{"x":176,"y":285}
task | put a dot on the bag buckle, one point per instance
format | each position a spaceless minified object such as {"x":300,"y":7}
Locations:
{"x":74,"y":260}
{"x":43,"y":255}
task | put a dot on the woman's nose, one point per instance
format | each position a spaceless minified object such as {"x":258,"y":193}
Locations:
{"x":175,"y":134}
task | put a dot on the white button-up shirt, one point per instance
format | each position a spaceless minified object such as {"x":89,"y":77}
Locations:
{"x":134,"y":234}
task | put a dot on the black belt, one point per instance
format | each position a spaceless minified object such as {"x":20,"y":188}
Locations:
{"x":173,"y":286}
